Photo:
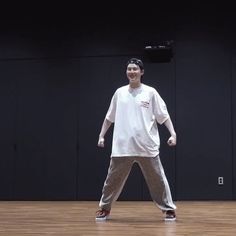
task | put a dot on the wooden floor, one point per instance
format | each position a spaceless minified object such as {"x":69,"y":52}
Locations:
{"x":127,"y":218}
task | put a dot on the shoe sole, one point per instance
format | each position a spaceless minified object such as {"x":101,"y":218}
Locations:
{"x":102,"y":218}
{"x":173,"y":219}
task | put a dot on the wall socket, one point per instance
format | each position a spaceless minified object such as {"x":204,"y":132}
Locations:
{"x":220,"y":180}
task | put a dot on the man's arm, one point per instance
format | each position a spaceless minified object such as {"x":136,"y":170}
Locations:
{"x":172,"y":140}
{"x":105,"y":126}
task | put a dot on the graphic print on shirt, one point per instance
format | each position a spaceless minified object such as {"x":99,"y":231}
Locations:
{"x":145,"y":104}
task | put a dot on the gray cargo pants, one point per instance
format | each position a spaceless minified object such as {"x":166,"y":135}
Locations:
{"x":153,"y":173}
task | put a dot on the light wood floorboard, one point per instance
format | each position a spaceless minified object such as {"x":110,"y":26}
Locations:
{"x":200,"y":218}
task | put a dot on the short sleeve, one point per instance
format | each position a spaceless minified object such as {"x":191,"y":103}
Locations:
{"x":111,"y":113}
{"x":159,"y":108}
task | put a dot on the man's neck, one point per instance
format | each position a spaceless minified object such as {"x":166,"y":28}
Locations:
{"x":134,"y":86}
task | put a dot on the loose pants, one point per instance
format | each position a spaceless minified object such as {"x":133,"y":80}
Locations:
{"x":153,"y":173}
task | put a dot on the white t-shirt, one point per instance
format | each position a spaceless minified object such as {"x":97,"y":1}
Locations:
{"x":135,"y":113}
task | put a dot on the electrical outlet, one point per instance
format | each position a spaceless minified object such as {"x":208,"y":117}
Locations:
{"x":220,"y":180}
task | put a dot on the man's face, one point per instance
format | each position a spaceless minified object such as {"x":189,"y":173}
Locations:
{"x":134,"y":73}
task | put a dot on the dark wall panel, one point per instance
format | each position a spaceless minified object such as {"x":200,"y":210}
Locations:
{"x":8,"y":108}
{"x":7,"y":171}
{"x":45,"y":129}
{"x":203,"y":105}
{"x":234,"y":120}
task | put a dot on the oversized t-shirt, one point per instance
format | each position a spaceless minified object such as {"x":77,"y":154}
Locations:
{"x":135,"y":113}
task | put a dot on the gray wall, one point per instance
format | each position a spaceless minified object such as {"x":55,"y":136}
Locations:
{"x":56,"y":82}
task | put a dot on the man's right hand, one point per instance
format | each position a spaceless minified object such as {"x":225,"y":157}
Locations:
{"x":101,"y":142}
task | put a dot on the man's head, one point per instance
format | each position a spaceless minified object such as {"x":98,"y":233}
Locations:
{"x":134,"y":71}
{"x":136,"y":61}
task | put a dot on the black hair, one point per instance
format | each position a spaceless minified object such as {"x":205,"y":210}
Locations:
{"x":137,"y":62}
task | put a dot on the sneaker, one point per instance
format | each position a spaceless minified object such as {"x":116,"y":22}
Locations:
{"x":102,"y":214}
{"x":170,"y":215}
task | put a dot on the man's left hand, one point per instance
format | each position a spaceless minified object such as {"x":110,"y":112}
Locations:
{"x":171,"y":141}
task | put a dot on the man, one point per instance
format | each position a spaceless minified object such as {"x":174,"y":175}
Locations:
{"x":135,"y":110}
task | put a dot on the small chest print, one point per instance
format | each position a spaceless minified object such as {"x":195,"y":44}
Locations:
{"x":145,"y":104}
